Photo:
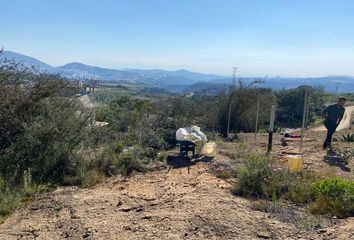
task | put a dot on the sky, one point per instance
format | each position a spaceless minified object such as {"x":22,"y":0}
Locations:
{"x":294,"y":38}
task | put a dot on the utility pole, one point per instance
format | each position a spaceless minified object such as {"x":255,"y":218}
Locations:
{"x":303,"y":120}
{"x":93,"y":84}
{"x":204,"y":100}
{"x":234,"y":71}
{"x":257,"y":117}
{"x":336,"y":91}
{"x":271,"y":129}
{"x":232,"y":88}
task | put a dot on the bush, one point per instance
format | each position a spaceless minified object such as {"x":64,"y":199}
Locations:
{"x":257,"y":179}
{"x":14,"y":197}
{"x":347,"y":138}
{"x":345,"y":154}
{"x":291,"y":101}
{"x":254,"y":177}
{"x":9,"y":200}
{"x":119,"y":148}
{"x":91,"y":178}
{"x":127,"y":163}
{"x":2,"y":184}
{"x":41,"y":130}
{"x":300,"y":189}
{"x":334,"y":196}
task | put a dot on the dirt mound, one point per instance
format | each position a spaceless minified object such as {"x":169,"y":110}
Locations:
{"x":157,"y":205}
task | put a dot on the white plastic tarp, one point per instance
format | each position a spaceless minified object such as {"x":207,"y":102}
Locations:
{"x":192,"y":134}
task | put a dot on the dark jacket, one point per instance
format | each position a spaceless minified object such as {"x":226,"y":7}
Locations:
{"x":333,"y":114}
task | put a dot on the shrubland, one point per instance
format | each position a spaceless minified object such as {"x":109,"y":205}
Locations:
{"x":47,"y":138}
{"x":258,"y":178}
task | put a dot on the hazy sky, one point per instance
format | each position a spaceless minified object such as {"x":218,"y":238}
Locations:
{"x":261,"y":37}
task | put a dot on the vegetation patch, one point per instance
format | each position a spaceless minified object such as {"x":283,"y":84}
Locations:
{"x":349,"y":137}
{"x":257,"y":179}
{"x":334,"y":196}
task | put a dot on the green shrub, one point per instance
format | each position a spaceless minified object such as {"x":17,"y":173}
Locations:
{"x":258,"y":179}
{"x":91,"y":178}
{"x":253,"y":177}
{"x":2,"y":184}
{"x":127,"y":163}
{"x":15,"y":197}
{"x":345,"y":154}
{"x":347,"y":138}
{"x":8,"y":202}
{"x":299,"y":191}
{"x":119,"y":148}
{"x":330,"y":196}
{"x":334,"y":196}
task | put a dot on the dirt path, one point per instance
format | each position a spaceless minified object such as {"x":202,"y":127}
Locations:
{"x":157,"y":205}
{"x":344,"y":124}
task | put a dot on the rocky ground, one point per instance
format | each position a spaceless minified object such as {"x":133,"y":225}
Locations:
{"x":177,"y":205}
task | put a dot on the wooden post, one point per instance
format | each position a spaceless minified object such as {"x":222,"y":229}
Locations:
{"x":271,"y":129}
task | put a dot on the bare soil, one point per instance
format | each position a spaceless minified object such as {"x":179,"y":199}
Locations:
{"x":178,"y":205}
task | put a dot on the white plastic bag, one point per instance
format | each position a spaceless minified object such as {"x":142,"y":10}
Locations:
{"x":192,"y":134}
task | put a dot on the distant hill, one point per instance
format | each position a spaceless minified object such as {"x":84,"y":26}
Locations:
{"x":76,"y":70}
{"x":29,"y":61}
{"x":178,"y":81}
{"x":209,"y":88}
{"x":343,"y":84}
{"x":79,"y":70}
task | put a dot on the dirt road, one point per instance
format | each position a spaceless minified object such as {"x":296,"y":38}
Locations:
{"x":344,"y":124}
{"x":157,"y":205}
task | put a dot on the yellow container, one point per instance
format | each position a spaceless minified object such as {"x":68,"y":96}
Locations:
{"x":295,"y":163}
{"x":209,"y":149}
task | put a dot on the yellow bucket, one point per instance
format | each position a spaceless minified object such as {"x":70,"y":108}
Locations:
{"x":209,"y":149}
{"x":295,"y":163}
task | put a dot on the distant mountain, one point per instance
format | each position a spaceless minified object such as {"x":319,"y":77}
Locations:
{"x":153,"y":76}
{"x":79,"y":70}
{"x":76,"y":70}
{"x":180,"y":80}
{"x":28,"y":61}
{"x":343,"y":84}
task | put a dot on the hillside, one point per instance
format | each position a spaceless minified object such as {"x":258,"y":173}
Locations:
{"x":27,"y":60}
{"x":175,"y":205}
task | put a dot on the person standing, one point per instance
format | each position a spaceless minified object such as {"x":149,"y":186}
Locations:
{"x":333,"y":115}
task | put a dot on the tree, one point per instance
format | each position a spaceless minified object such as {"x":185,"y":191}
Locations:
{"x":41,"y":129}
{"x":291,"y":104}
